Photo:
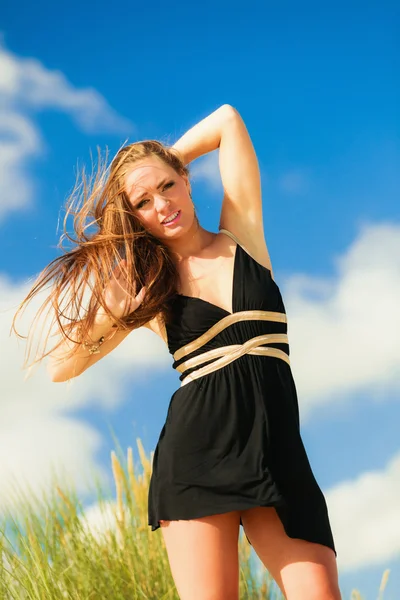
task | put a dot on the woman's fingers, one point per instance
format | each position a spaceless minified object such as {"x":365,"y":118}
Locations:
{"x":140,"y":296}
{"x":118,"y":293}
{"x":117,"y":271}
{"x":119,"y":275}
{"x":130,"y":304}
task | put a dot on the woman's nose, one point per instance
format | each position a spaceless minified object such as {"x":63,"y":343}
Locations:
{"x":161,"y":201}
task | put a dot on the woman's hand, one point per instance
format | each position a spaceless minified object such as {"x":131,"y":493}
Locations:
{"x":205,"y":136}
{"x":116,"y":296}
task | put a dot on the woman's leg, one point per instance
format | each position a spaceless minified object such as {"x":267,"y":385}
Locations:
{"x":303,"y":570}
{"x":203,"y":556}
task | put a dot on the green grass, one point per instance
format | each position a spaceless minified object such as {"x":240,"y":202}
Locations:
{"x":48,"y":551}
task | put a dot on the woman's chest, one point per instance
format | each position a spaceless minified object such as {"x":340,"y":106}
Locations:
{"x":210,"y":280}
{"x":252,"y":289}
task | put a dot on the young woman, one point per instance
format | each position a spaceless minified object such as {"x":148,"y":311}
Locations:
{"x":230,"y":452}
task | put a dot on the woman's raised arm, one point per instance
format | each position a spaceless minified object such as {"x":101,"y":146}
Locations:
{"x":203,"y":137}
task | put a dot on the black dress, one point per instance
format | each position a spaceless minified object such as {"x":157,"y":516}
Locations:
{"x":231,"y":439}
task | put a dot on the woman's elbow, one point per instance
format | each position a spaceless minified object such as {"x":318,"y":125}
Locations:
{"x":54,"y":375}
{"x":58,"y":375}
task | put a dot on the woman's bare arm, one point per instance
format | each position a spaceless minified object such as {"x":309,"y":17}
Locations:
{"x":62,"y":369}
{"x":203,"y":137}
{"x":241,"y":211}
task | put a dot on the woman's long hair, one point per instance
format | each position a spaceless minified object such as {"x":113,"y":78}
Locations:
{"x":105,"y":231}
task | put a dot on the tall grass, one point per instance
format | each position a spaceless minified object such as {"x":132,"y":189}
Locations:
{"x":55,"y":550}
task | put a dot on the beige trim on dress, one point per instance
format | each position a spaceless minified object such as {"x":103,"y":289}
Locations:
{"x":227,"y":354}
{"x":244,"y":315}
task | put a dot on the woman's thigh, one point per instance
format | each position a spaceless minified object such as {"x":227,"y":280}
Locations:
{"x":203,"y":556}
{"x":303,"y":570}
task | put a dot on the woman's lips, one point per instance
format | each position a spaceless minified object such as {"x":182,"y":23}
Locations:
{"x":173,"y":221}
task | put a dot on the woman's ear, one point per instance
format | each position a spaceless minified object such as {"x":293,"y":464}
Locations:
{"x":187,"y":182}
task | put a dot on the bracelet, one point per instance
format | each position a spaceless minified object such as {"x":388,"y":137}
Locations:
{"x":94,"y":347}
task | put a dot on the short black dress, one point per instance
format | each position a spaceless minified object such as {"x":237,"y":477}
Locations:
{"x":231,"y":439}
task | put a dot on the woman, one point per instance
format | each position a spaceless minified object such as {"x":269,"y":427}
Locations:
{"x":230,"y":452}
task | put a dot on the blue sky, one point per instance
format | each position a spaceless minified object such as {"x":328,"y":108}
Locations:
{"x":318,"y":89}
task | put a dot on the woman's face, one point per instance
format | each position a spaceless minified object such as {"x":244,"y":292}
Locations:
{"x":160,"y":198}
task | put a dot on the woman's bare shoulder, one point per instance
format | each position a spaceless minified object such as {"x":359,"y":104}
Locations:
{"x":158,"y":326}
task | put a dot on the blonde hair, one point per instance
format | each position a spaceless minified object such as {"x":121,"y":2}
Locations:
{"x":106,"y":231}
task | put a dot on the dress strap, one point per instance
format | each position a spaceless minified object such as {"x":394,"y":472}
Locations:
{"x":235,"y":239}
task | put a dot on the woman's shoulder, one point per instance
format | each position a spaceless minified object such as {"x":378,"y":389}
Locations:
{"x":157,"y":325}
{"x":252,"y":240}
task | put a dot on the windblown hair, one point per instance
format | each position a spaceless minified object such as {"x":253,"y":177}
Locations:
{"x":106,"y":231}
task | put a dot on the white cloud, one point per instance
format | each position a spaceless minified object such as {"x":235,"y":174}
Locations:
{"x":27,"y":86}
{"x":98,"y":519}
{"x":37,"y":432}
{"x":365,"y":517}
{"x":20,"y":141}
{"x":27,"y":83}
{"x":344,"y":330}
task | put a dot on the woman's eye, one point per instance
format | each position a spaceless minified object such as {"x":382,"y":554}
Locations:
{"x":145,"y":200}
{"x":142,"y":203}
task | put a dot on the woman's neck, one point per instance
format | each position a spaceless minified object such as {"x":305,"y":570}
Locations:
{"x":193,"y":243}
